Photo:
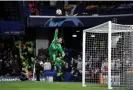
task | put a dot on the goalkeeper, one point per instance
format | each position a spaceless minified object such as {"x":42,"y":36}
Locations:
{"x":55,"y":46}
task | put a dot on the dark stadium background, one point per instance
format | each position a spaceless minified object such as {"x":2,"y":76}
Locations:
{"x":20,"y":21}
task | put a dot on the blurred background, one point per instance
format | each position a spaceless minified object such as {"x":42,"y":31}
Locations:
{"x":25,"y":36}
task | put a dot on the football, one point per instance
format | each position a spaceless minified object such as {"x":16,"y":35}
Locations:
{"x":58,"y":12}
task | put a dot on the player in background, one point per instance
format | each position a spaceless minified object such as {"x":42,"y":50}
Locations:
{"x":54,"y":48}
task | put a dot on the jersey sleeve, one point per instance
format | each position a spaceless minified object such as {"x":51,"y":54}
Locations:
{"x":55,"y":35}
{"x":53,"y":43}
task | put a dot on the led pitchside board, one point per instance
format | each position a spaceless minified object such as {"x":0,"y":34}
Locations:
{"x":77,"y":21}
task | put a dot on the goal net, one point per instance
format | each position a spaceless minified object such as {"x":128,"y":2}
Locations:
{"x":108,"y":56}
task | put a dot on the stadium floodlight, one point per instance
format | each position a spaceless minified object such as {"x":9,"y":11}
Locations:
{"x":74,"y":35}
{"x":107,"y":58}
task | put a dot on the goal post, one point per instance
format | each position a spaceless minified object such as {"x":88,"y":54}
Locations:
{"x":83,"y":59}
{"x":107,"y":52}
{"x":109,"y":55}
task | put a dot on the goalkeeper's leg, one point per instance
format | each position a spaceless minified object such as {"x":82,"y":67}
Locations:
{"x":52,"y":59}
{"x":59,"y":72}
{"x":59,"y":63}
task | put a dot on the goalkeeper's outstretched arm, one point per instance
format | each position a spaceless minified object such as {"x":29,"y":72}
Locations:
{"x":53,"y":43}
{"x":56,"y":35}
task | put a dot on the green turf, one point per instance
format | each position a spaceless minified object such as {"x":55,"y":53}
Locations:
{"x":46,"y":86}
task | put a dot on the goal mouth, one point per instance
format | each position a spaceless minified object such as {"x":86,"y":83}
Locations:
{"x":108,"y":55}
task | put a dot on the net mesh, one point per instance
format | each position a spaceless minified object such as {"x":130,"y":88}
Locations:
{"x":103,"y":28}
{"x":96,"y":55}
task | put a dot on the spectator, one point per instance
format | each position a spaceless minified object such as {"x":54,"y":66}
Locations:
{"x":80,"y":8}
{"x":47,"y":65}
{"x":38,"y":70}
{"x":76,"y":75}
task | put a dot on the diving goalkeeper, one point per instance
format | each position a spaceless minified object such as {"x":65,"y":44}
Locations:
{"x":55,"y":46}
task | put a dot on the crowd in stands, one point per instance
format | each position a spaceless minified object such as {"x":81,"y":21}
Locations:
{"x":16,"y":57}
{"x":15,"y":60}
{"x":13,"y":56}
{"x":81,"y":8}
{"x":9,"y":58}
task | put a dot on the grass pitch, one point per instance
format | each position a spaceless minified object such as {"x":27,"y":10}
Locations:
{"x":31,"y":85}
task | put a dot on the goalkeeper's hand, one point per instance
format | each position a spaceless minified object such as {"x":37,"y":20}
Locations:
{"x":63,"y":55}
{"x":56,"y":27}
{"x":56,"y":30}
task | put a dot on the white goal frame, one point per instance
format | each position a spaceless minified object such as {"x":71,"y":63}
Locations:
{"x":106,"y":27}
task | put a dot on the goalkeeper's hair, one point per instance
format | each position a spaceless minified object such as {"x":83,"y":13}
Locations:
{"x":60,"y":37}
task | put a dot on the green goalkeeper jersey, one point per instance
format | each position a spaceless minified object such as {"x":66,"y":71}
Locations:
{"x":55,"y":47}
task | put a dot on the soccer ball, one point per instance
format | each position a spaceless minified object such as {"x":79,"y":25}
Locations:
{"x":58,"y":12}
